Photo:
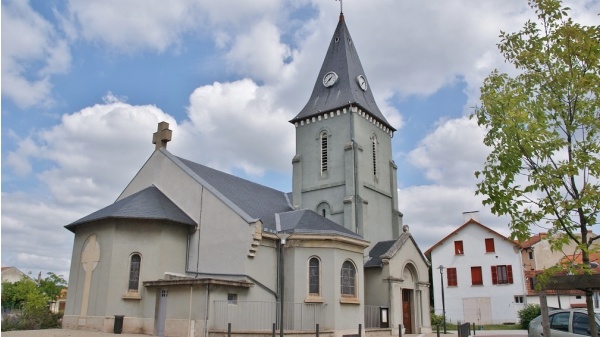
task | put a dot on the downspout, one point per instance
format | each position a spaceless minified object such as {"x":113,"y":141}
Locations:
{"x":190,"y":312}
{"x":206,"y":295}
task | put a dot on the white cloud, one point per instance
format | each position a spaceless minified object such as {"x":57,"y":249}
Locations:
{"x":451,"y":153}
{"x":31,"y":57}
{"x":233,"y":124}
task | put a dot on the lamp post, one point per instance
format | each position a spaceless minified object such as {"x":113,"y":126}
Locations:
{"x":441,"y":268}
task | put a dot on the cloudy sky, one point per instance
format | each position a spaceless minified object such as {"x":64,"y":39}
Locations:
{"x":84,"y":84}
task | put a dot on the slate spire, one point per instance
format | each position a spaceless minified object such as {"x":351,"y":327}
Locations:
{"x":342,"y":81}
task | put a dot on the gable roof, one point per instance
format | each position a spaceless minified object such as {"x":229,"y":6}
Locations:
{"x":342,"y":59}
{"x":388,"y":249}
{"x":149,"y":203}
{"x":307,"y":221}
{"x":533,"y":240}
{"x":250,"y":200}
{"x":470,"y":222}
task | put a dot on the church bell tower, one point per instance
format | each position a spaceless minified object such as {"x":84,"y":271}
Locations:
{"x":343,"y":167}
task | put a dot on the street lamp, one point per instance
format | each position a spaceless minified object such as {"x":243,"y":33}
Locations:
{"x":441,"y":268}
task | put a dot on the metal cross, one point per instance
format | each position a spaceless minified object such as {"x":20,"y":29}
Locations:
{"x":341,"y":6}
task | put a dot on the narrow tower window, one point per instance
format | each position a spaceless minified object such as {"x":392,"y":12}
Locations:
{"x":374,"y":148}
{"x":324,"y":145}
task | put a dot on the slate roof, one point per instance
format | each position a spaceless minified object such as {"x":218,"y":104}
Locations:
{"x":388,"y":249}
{"x":307,"y":221}
{"x":257,"y":201}
{"x":341,"y":58}
{"x":149,"y":203}
{"x":379,"y":249}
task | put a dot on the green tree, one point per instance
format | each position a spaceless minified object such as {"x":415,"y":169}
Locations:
{"x":543,"y":130}
{"x":52,"y":285}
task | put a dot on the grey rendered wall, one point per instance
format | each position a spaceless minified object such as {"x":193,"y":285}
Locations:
{"x":159,"y":245}
{"x":222,"y":242}
{"x":377,"y":191}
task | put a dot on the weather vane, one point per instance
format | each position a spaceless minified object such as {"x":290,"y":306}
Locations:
{"x":341,"y":6}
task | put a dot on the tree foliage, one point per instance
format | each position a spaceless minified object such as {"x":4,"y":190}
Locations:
{"x":31,"y":300}
{"x":543,"y":128}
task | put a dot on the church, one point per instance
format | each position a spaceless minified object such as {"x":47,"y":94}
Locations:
{"x":187,"y":250}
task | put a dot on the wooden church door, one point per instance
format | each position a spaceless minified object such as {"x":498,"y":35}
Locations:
{"x":407,"y":311}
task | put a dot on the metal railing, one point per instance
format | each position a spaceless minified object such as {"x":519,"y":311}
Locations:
{"x":251,"y":315}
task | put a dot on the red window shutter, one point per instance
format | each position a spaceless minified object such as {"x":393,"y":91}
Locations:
{"x":476,"y":277}
{"x":509,"y":273}
{"x":489,"y":245}
{"x":494,"y":275}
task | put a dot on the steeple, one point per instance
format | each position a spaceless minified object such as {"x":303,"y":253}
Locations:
{"x":342,"y":81}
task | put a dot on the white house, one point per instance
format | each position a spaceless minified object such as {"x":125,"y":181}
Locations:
{"x":481,"y":275}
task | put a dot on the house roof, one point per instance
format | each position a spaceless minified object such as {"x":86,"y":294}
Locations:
{"x":388,"y":249}
{"x":470,"y":222}
{"x":307,"y":221}
{"x":149,"y":203}
{"x":533,"y":240}
{"x":341,"y":58}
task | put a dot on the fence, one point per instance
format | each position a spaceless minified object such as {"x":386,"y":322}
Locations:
{"x":253,"y":315}
{"x":372,"y":316}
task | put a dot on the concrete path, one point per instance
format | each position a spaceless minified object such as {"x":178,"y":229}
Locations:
{"x":83,"y":333}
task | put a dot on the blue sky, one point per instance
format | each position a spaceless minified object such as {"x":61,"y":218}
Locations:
{"x":85,"y":83}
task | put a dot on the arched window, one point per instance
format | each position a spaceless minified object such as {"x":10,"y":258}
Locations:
{"x":134,"y":272}
{"x":324,"y":209}
{"x":314,"y":277}
{"x":324,"y":153}
{"x":374,"y":149}
{"x":348,"y":279}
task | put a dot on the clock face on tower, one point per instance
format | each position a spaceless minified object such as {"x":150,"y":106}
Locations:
{"x":329,"y":79}
{"x":362,"y":82}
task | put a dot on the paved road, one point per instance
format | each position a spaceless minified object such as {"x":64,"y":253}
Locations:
{"x":82,"y":333}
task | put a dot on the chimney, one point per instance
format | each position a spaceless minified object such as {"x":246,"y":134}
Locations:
{"x":471,"y":215}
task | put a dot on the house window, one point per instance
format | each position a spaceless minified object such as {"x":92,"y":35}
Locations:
{"x":531,"y":254}
{"x":348,"y":279}
{"x":232,"y":299}
{"x":518,"y":299}
{"x":532,"y":283}
{"x":452,"y":278}
{"x":134,"y":272}
{"x":374,"y":149}
{"x":489,"y":245}
{"x":502,"y":274}
{"x":458,"y":248}
{"x":476,"y":276}
{"x":314,"y":280}
{"x":324,"y":154}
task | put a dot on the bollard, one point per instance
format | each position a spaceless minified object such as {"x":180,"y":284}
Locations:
{"x":359,"y":330}
{"x":228,"y":329}
{"x":273,"y":331}
{"x":317,"y":329}
{"x":399,"y":330}
{"x":438,"y":329}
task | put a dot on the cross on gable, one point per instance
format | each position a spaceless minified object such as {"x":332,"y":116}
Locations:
{"x":162,"y":135}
